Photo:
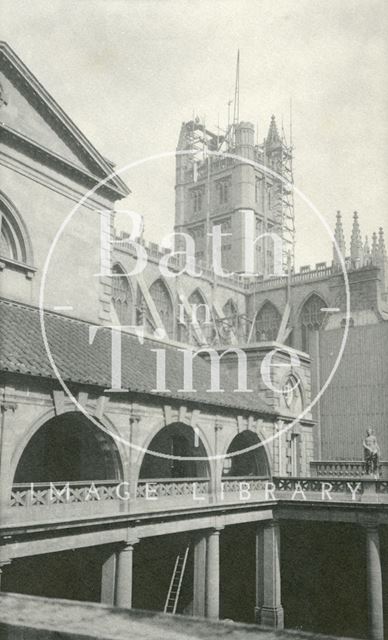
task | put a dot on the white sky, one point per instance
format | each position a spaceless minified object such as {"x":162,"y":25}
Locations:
{"x":128,"y":72}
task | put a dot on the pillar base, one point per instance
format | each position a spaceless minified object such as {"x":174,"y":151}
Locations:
{"x":272,"y":617}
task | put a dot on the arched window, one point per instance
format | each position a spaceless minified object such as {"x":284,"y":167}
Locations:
{"x":311,"y":318}
{"x":14,"y":244}
{"x":267,"y":323}
{"x":162,"y":299}
{"x":201,"y":316}
{"x":122,"y":296}
{"x":230,"y":309}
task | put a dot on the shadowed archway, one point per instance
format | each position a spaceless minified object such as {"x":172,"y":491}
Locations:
{"x":69,"y":448}
{"x":246,"y":463}
{"x":179,"y":441}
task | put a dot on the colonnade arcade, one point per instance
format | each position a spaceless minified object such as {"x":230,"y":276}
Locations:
{"x":70,"y":447}
{"x":118,"y":565}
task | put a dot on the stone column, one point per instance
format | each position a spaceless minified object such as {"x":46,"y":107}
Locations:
{"x":213,"y":574}
{"x":269,"y":610}
{"x":108,"y":579}
{"x":374,"y":582}
{"x":124,"y":575}
{"x":199,"y":581}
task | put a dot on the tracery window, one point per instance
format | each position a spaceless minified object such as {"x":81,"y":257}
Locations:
{"x":122,"y":296}
{"x":162,"y":299}
{"x":201,"y":314}
{"x":267,"y":323}
{"x":311,"y":318}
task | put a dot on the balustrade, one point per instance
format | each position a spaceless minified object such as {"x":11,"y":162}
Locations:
{"x":173,"y":492}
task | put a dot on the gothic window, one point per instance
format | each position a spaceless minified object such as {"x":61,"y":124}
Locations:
{"x":200,"y":312}
{"x":162,"y":299}
{"x":230,"y":309}
{"x":13,"y":237}
{"x":229,"y":323}
{"x":122,"y":296}
{"x":311,"y":318}
{"x":267,"y":323}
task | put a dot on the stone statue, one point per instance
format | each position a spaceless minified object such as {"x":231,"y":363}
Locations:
{"x":371,"y":453}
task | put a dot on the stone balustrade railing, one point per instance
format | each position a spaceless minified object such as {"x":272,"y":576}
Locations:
{"x":328,"y":489}
{"x":171,"y":492}
{"x":45,"y":493}
{"x":172,"y":487}
{"x":344,"y":468}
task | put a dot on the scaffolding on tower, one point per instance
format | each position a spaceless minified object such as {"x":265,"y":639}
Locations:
{"x":285,"y":212}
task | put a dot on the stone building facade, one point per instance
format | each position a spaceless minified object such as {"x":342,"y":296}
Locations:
{"x":120,"y":469}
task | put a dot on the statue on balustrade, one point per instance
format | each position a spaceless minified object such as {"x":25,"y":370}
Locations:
{"x":371,"y":453}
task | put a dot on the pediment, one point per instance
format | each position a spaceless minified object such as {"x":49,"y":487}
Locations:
{"x":29,"y":111}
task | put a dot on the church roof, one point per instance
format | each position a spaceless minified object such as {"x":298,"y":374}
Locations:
{"x":22,"y":351}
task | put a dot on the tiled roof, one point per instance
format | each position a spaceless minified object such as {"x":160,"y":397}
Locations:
{"x":22,"y":351}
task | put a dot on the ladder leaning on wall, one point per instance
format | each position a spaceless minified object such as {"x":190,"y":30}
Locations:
{"x":176,"y":582}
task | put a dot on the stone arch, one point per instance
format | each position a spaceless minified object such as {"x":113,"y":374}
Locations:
{"x":15,"y":241}
{"x":255,"y":462}
{"x":267,"y":322}
{"x":179,"y":440}
{"x":68,"y":447}
{"x":122,"y":296}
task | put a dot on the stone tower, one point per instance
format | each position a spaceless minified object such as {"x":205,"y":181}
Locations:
{"x":223,"y":180}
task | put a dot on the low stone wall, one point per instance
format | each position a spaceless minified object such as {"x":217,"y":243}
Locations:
{"x":30,"y":618}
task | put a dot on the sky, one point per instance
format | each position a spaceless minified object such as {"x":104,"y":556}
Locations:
{"x":128,"y":72}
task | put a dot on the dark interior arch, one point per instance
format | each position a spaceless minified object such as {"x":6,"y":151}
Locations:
{"x":246,"y":463}
{"x":69,"y":447}
{"x":180,"y":442}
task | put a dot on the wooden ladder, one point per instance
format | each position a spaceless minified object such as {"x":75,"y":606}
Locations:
{"x":176,"y":582}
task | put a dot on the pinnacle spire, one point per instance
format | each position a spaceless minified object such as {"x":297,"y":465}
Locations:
{"x":381,"y":243}
{"x":273,"y":138}
{"x":375,"y":248}
{"x":340,"y":240}
{"x":367,"y":253}
{"x":356,"y":243}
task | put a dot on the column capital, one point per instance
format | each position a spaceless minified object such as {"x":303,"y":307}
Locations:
{"x":132,"y":537}
{"x":7,"y":406}
{"x":216,"y":530}
{"x":130,"y":543}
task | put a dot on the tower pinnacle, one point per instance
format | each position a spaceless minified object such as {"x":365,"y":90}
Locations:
{"x":356,"y":243}
{"x":340,"y":240}
{"x":273,"y":138}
